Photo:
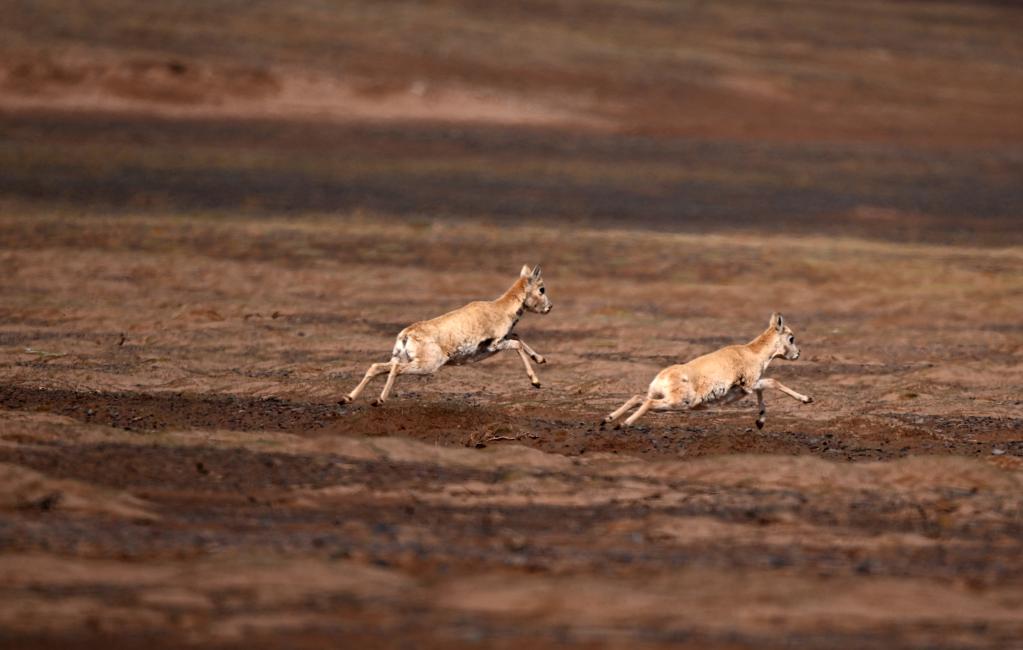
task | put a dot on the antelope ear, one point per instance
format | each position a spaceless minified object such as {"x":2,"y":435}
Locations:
{"x":536,"y":273}
{"x":777,"y":322}
{"x":524,"y":273}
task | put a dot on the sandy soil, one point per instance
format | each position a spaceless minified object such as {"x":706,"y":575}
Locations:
{"x":177,"y":470}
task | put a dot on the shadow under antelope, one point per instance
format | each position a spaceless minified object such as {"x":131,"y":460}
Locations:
{"x":721,"y":377}
{"x":470,"y":333}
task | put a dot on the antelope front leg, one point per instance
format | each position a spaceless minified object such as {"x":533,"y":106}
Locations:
{"x":517,"y":345}
{"x":762,"y":417}
{"x":374,"y":370}
{"x":539,"y":358}
{"x":777,"y":385}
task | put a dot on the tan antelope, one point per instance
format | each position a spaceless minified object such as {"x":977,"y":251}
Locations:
{"x":723,"y":376}
{"x":470,"y":333}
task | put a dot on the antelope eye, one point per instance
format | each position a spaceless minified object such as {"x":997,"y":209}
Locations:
{"x":543,"y":290}
{"x":792,"y":339}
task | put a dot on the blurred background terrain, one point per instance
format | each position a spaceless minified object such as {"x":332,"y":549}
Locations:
{"x":885,"y":119}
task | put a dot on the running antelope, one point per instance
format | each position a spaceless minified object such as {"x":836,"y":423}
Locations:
{"x":723,"y":376}
{"x":470,"y":333}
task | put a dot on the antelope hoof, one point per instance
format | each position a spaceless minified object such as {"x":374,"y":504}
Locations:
{"x":536,"y":383}
{"x":618,"y":425}
{"x":377,"y":402}
{"x":347,"y":399}
{"x":540,"y":359}
{"x":808,"y":400}
{"x":760,"y":424}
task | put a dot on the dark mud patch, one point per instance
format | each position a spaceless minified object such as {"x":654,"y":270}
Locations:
{"x":466,"y":420}
{"x":143,"y":412}
{"x":942,"y":196}
{"x":210,"y":469}
{"x":404,"y":515}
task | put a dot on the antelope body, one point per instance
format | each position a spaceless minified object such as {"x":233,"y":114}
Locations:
{"x":723,"y":376}
{"x":470,"y":333}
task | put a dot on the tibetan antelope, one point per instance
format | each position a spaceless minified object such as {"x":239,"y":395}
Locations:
{"x":723,"y":376}
{"x":470,"y":333}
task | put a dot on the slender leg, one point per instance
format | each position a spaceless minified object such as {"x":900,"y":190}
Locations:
{"x":763,"y":409}
{"x":735,"y":394}
{"x":629,"y":403}
{"x":777,"y":385}
{"x":643,"y":408}
{"x":374,"y":370}
{"x":395,"y":371}
{"x":525,"y":346}
{"x":529,"y":369}
{"x":517,"y":345}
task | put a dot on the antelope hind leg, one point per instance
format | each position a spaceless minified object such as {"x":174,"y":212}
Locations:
{"x":373,"y":371}
{"x":396,"y":369}
{"x":621,"y":410}
{"x":640,"y":412}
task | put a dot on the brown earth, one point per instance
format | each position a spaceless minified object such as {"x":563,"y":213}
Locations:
{"x":214,"y":217}
{"x":177,"y":469}
{"x":932,"y":73}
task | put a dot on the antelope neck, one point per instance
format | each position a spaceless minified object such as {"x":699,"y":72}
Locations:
{"x":761,"y":346}
{"x":515,"y":298}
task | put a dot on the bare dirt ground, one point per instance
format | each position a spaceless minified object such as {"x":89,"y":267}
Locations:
{"x":213,"y":218}
{"x":177,"y":470}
